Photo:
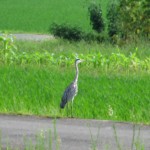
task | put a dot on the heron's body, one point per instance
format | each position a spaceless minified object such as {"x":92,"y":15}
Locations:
{"x":72,"y":89}
{"x":69,"y":94}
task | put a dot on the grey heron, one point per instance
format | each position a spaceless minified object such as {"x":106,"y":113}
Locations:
{"x":71,"y":90}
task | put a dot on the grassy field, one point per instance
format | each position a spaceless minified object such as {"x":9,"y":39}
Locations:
{"x":38,"y":90}
{"x":37,"y":16}
{"x":113,"y":84}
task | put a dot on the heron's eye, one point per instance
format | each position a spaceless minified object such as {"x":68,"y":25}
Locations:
{"x":77,"y":60}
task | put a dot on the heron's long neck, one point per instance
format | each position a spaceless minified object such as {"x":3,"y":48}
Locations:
{"x":77,"y":73}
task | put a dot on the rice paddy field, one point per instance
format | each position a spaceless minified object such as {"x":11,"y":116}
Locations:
{"x":37,"y":16}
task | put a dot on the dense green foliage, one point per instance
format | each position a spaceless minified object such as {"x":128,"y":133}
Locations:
{"x":113,"y":20}
{"x":66,"y":32}
{"x":126,"y":20}
{"x":134,"y":19}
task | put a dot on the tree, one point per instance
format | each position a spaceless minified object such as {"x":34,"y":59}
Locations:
{"x":96,"y":18}
{"x":146,"y":17}
{"x":134,"y":16}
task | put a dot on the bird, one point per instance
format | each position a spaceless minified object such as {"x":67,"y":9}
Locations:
{"x":71,"y":91}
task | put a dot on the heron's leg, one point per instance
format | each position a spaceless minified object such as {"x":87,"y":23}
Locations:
{"x":72,"y":108}
{"x":67,"y":109}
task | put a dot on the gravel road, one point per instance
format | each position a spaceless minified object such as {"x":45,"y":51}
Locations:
{"x":73,"y":134}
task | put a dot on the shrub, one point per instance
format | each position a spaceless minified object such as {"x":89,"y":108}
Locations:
{"x":66,"y":32}
{"x":96,"y":19}
{"x":90,"y":37}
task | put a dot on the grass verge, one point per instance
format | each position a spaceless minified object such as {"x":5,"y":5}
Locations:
{"x":38,"y":89}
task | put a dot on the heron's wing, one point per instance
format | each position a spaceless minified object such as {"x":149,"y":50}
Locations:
{"x":68,"y":94}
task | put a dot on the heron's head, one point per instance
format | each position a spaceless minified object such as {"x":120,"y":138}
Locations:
{"x":77,"y":61}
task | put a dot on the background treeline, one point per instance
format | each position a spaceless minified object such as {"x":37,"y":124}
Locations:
{"x":126,"y":20}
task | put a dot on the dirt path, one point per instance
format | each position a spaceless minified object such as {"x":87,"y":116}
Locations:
{"x":73,"y":134}
{"x":36,"y":37}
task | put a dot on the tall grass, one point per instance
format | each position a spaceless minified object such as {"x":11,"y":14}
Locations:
{"x":62,"y":47}
{"x":38,"y":90}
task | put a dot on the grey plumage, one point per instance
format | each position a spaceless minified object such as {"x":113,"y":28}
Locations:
{"x":69,"y":94}
{"x":72,"y":89}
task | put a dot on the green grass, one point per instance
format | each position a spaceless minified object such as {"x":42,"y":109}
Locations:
{"x":62,"y":47}
{"x":112,"y":85}
{"x":38,"y":90}
{"x":37,"y":16}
